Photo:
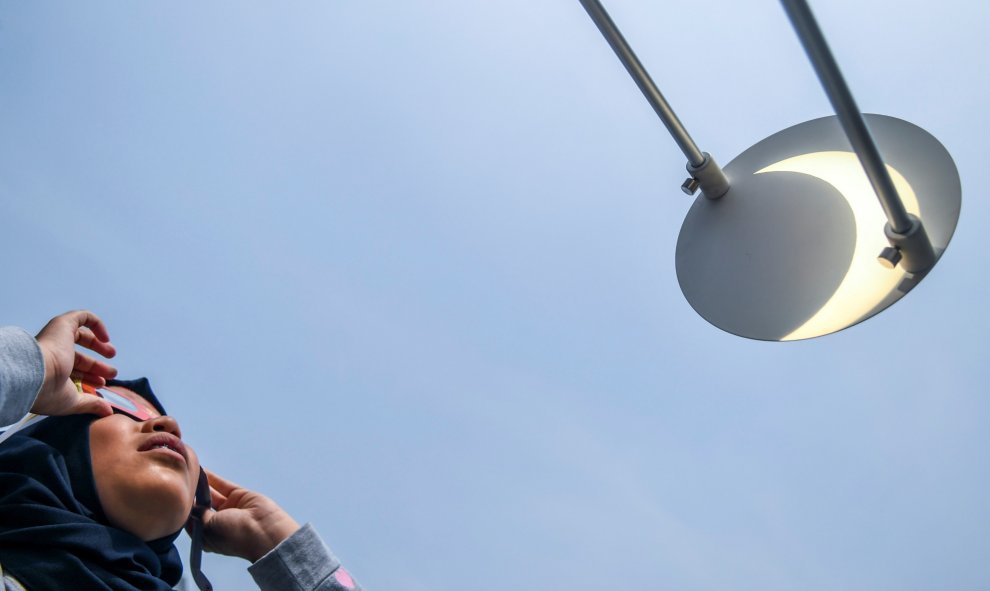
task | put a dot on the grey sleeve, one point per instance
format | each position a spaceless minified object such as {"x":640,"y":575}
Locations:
{"x":22,"y":370}
{"x":302,"y":562}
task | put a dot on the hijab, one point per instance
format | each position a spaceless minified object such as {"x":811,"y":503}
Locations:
{"x":53,"y":530}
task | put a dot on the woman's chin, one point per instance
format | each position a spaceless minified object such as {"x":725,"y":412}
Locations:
{"x":154,"y":511}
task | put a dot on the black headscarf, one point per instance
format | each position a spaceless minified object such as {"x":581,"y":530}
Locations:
{"x":53,"y":532}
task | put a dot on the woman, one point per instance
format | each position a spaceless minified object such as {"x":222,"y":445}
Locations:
{"x":96,"y":500}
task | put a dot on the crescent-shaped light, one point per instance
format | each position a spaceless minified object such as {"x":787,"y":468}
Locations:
{"x":866,"y":283}
{"x":790,"y":252}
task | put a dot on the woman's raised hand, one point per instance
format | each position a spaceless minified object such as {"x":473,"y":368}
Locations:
{"x":63,"y":363}
{"x":245,"y":523}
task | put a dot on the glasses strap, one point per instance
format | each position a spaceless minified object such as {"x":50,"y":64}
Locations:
{"x":202,"y":504}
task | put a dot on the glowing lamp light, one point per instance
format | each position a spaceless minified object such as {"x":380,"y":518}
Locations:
{"x":790,"y":252}
{"x":863,"y":286}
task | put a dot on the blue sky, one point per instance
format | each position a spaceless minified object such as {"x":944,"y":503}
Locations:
{"x":409,"y":270}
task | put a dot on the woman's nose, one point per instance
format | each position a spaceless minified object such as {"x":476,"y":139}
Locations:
{"x":163,"y":423}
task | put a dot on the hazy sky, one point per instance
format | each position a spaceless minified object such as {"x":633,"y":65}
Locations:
{"x":408,"y":268}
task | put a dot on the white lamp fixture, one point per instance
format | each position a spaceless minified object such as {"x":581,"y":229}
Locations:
{"x":787,"y":242}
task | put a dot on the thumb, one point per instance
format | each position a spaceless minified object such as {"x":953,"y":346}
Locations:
{"x":213,"y":530}
{"x":207,"y":518}
{"x":92,"y":405}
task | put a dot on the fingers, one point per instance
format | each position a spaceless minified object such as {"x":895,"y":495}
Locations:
{"x":91,"y":405}
{"x":86,"y":365}
{"x":62,"y":361}
{"x":81,"y":328}
{"x":217,"y":499}
{"x":85,"y":328}
{"x":91,"y":334}
{"x":220,"y":484}
{"x":88,"y":378}
{"x":91,"y":321}
{"x":86,"y":338}
{"x":71,"y":402}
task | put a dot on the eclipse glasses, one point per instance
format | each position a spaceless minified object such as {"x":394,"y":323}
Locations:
{"x":120,"y":404}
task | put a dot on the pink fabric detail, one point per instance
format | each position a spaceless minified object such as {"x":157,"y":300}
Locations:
{"x":344,"y":578}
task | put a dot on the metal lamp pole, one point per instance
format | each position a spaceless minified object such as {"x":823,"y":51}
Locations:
{"x":909,"y":243}
{"x":705,"y":173}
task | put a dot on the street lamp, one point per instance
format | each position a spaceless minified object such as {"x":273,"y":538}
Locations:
{"x":787,"y":242}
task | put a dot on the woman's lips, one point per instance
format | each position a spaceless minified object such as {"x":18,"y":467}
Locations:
{"x":165,"y":443}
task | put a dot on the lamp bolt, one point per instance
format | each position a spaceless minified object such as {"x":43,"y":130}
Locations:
{"x":690,"y":185}
{"x":890,"y":256}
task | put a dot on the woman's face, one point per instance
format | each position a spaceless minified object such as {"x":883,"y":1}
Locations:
{"x":145,"y":475}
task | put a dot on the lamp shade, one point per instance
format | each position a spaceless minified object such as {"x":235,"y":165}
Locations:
{"x":790,"y":252}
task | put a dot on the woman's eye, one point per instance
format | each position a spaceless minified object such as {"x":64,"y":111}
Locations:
{"x":117,"y":411}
